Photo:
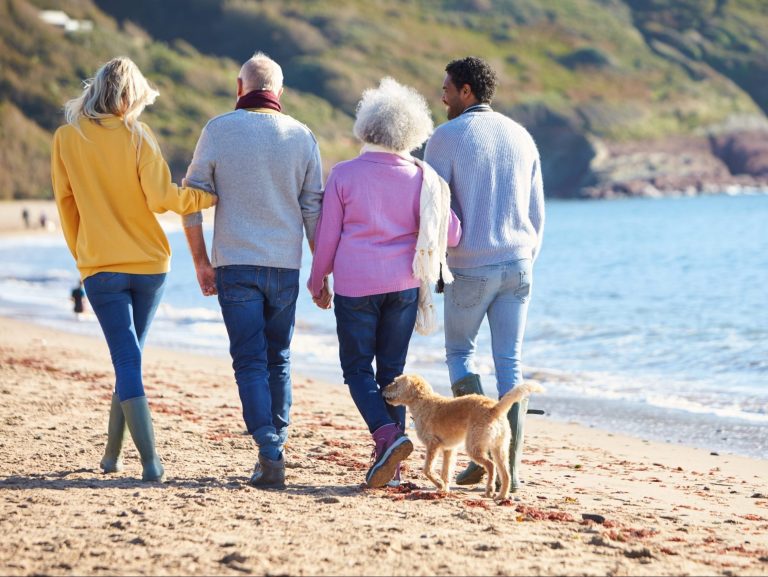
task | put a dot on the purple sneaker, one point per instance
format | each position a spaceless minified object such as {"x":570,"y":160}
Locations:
{"x":392,"y":446}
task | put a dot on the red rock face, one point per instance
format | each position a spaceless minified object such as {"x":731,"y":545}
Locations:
{"x":680,"y":165}
{"x":744,"y":152}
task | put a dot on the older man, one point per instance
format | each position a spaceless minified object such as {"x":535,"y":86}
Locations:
{"x":265,"y":168}
{"x":492,"y":166}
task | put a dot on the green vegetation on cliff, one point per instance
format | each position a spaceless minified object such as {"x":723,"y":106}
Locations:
{"x":572,"y":70}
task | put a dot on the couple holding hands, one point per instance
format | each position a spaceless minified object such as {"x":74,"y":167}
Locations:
{"x":386,"y":225}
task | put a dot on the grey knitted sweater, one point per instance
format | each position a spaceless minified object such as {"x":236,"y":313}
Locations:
{"x":265,"y":168}
{"x":493,"y":168}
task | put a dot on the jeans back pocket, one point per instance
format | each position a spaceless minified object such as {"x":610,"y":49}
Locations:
{"x":287,"y":286}
{"x":467,"y":291}
{"x":237,"y":284}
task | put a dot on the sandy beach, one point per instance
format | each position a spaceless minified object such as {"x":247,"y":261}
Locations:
{"x":593,"y":502}
{"x":658,"y":509}
{"x":11,"y":221}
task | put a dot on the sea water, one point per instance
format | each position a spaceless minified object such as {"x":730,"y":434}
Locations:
{"x":648,"y":317}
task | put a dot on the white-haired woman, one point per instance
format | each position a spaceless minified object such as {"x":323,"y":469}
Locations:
{"x":109,"y":177}
{"x":383,"y":233}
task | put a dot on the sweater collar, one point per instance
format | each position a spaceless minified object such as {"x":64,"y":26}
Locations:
{"x":482,"y":107}
{"x":392,"y":154}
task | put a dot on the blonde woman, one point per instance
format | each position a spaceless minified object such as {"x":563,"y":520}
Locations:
{"x":385,"y":227}
{"x":109,"y":177}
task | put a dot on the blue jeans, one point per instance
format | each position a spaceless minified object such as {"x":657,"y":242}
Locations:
{"x":258,"y":304}
{"x":502,"y":292}
{"x":375,"y":327}
{"x":125,"y":305}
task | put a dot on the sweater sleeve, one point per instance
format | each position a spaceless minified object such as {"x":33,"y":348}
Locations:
{"x":69,"y":216}
{"x":536,"y":210}
{"x":327,"y":236}
{"x":311,"y":196}
{"x":161,"y":193}
{"x":200,"y":173}
{"x":438,"y":155}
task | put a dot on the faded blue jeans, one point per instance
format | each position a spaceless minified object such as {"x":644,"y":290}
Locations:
{"x":375,"y":327}
{"x":502,"y":292}
{"x":259,"y":308}
{"x":125,"y":305}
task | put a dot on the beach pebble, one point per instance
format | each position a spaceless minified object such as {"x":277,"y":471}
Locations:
{"x":638,"y":553}
{"x":233,"y":558}
{"x":329,"y":500}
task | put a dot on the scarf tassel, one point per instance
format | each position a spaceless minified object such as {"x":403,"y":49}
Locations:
{"x":426,"y":316}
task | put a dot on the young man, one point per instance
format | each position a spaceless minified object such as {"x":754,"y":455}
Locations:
{"x":492,"y":166}
{"x":265,"y":168}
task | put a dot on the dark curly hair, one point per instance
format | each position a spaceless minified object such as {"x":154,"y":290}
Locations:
{"x":477,"y":73}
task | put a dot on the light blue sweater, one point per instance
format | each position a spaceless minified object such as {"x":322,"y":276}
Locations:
{"x":492,"y":166}
{"x":265,"y":167}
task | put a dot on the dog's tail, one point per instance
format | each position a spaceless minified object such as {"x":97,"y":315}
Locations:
{"x":516,"y":395}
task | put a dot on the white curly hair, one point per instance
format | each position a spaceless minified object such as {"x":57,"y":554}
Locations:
{"x":393,"y":116}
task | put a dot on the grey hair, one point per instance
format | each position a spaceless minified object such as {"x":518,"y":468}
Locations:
{"x":118,"y":89}
{"x":260,"y":72}
{"x":393,"y":116}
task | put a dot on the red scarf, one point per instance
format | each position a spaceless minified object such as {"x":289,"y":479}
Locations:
{"x":259,"y":99}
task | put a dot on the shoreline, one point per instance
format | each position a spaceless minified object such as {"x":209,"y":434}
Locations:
{"x":11,"y":221}
{"x":696,"y":428}
{"x":652,"y":508}
{"x":676,"y":427}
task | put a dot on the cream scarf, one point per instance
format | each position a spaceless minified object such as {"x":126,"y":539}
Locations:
{"x":432,"y":242}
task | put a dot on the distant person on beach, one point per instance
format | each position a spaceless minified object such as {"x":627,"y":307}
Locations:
{"x":493,"y":168}
{"x":25,"y":216}
{"x":109,"y":176}
{"x":384,"y":231}
{"x":43,"y":219}
{"x":78,"y":299}
{"x":266,"y":169}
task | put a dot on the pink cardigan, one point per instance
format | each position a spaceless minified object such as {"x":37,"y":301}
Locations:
{"x":366,"y":235}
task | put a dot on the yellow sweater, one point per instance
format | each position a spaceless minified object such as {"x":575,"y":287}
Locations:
{"x":106,"y":197}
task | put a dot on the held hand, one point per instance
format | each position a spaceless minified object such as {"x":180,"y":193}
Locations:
{"x":324,"y":300}
{"x":326,"y":296}
{"x":206,"y":278}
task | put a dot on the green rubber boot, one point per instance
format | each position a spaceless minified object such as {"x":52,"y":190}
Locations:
{"x":139,"y":420}
{"x":469,"y":385}
{"x":112,"y":461}
{"x":516,"y":418}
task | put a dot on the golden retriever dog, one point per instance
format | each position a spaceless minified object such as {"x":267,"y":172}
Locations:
{"x":475,"y":420}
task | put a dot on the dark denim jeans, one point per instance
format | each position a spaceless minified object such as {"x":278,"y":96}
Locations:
{"x":259,"y":309}
{"x":375,"y":327}
{"x":125,"y":305}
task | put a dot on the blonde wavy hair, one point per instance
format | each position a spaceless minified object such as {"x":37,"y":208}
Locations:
{"x":118,"y":89}
{"x":393,"y":116}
